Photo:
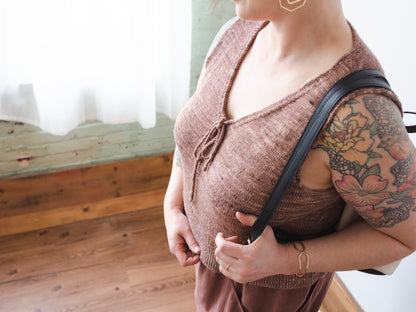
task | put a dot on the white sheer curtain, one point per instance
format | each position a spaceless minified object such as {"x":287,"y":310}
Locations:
{"x":66,"y":61}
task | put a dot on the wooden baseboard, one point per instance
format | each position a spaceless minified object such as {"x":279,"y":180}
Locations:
{"x":51,"y":199}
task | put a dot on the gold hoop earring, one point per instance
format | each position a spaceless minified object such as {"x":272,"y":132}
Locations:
{"x":292,"y":5}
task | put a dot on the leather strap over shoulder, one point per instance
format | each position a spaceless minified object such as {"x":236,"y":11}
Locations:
{"x":360,"y":79}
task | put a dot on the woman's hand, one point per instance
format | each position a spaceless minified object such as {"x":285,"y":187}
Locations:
{"x":181,"y":241}
{"x":246,"y":263}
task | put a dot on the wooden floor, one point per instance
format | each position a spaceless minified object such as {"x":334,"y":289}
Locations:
{"x":93,"y":239}
{"x":119,"y":263}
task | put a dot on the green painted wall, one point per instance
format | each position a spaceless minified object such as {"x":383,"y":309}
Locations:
{"x":205,"y":26}
{"x":27,"y":149}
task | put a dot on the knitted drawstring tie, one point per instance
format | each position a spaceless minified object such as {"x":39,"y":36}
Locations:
{"x":207,"y":148}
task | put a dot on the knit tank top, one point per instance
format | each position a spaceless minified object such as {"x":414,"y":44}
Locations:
{"x":233,"y":165}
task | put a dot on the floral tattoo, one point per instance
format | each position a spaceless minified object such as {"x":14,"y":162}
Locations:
{"x":354,"y":143}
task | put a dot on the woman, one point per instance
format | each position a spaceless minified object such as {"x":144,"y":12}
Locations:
{"x":259,"y":87}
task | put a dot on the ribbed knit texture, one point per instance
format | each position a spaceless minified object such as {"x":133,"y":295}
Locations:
{"x":233,"y":165}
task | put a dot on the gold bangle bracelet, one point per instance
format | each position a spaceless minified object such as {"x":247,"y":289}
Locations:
{"x":302,"y":252}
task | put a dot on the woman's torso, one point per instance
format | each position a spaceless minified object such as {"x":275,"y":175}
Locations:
{"x":232,"y":165}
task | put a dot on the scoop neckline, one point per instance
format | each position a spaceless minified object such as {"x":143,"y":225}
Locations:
{"x":286,"y":99}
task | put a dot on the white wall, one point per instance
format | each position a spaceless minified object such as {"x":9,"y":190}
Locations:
{"x":394,"y":293}
{"x":389,"y":29}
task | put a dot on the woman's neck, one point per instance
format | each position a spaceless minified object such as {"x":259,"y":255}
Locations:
{"x":308,"y":31}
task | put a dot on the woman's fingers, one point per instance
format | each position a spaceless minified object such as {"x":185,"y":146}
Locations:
{"x":246,"y":219}
{"x":228,"y":247}
{"x":191,"y":241}
{"x":181,"y":240}
{"x":233,"y":239}
{"x":223,"y":258}
{"x":191,"y":259}
{"x":182,"y":252}
{"x":244,"y":263}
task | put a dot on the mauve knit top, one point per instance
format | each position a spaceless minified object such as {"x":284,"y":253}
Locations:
{"x":233,"y":165}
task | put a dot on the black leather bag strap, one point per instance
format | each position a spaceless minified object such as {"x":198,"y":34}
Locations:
{"x":356,"y":80}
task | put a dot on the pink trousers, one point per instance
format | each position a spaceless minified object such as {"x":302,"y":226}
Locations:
{"x":216,"y":293}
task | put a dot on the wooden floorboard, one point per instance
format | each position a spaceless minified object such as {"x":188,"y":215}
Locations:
{"x":93,"y":239}
{"x":117,"y":263}
{"x":339,"y":299}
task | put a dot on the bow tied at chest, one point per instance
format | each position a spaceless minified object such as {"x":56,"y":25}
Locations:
{"x":207,"y":148}
{"x":209,"y":144}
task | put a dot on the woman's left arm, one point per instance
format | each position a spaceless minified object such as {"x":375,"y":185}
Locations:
{"x":372,"y":165}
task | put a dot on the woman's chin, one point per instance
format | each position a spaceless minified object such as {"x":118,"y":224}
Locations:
{"x":248,"y":13}
{"x":247,"y":16}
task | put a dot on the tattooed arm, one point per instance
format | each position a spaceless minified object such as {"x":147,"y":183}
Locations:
{"x":366,"y":154}
{"x":372,"y":162}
